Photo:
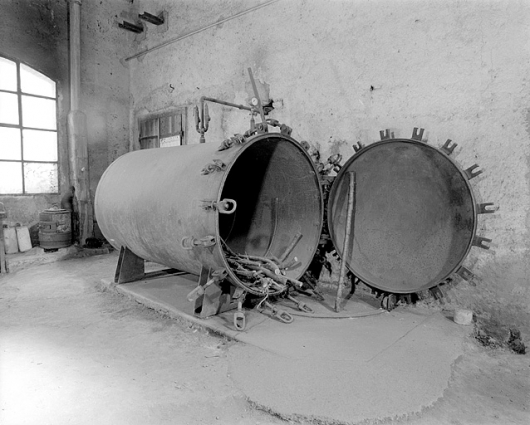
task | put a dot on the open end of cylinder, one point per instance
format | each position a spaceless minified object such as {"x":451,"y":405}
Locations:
{"x":279,"y":211}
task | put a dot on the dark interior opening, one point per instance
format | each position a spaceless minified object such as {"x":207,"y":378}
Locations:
{"x":278,"y":198}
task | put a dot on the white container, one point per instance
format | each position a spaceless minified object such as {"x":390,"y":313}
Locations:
{"x":463,"y":317}
{"x":23,"y":239}
{"x":10,"y":240}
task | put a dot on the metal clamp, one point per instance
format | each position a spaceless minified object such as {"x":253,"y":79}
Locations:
{"x":335,"y":159}
{"x":470,"y":172}
{"x":436,"y":292}
{"x":239,"y":317}
{"x":480,"y":242}
{"x":285,"y":130}
{"x":215,"y":165}
{"x":467,"y":275}
{"x":417,"y":134}
{"x":357,"y":147}
{"x":190,"y":242}
{"x":449,"y":147}
{"x":389,"y":302}
{"x":281,"y":315}
{"x":385,"y":135}
{"x":300,"y":305}
{"x":236,"y":139}
{"x":484,"y":208}
{"x":215,"y":277}
{"x":225,"y":206}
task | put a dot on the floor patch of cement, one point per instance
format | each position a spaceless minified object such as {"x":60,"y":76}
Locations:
{"x":349,"y":371}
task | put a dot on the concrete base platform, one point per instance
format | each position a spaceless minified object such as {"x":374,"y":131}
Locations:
{"x":361,"y":366}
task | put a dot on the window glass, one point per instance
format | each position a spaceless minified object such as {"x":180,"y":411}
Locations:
{"x":8,"y":108}
{"x":40,"y":178}
{"x":28,"y":130}
{"x":38,"y":113}
{"x":8,"y":73}
{"x":10,"y":177}
{"x":40,"y":145}
{"x":33,"y":82}
{"x":10,"y":143}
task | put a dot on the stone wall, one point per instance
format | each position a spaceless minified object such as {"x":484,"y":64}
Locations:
{"x":340,"y":71}
{"x":37,"y":33}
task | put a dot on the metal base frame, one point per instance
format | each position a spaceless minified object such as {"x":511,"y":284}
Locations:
{"x":215,"y":298}
{"x":131,"y":268}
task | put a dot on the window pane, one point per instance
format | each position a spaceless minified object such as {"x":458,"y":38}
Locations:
{"x":8,"y":108}
{"x":149,"y":128}
{"x":8,"y":75}
{"x":33,"y":82}
{"x":38,"y":113}
{"x":10,"y":177}
{"x":170,"y":125}
{"x":10,"y":143}
{"x":149,"y":143}
{"x":40,"y":145}
{"x":40,"y":178}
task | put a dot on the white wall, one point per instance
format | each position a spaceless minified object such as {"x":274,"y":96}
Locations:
{"x":347,"y":69}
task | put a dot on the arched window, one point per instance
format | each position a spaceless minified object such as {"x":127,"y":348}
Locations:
{"x":28,"y":130}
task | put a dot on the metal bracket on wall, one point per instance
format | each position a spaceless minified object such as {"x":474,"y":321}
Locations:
{"x":152,"y":19}
{"x":131,"y":27}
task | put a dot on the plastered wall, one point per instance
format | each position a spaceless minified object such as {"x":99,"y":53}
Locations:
{"x":37,"y":33}
{"x":104,"y":82}
{"x":340,"y":71}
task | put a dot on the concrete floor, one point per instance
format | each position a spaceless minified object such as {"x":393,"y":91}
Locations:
{"x":72,"y":351}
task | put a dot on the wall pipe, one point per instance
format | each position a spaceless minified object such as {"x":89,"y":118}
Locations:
{"x":75,"y":53}
{"x":222,"y":102}
{"x":174,"y":40}
{"x":77,"y":131}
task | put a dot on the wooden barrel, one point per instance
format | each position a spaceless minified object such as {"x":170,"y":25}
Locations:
{"x":55,"y":229}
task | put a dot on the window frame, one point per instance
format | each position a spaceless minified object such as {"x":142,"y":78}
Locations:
{"x":154,"y":142}
{"x":20,"y":126}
